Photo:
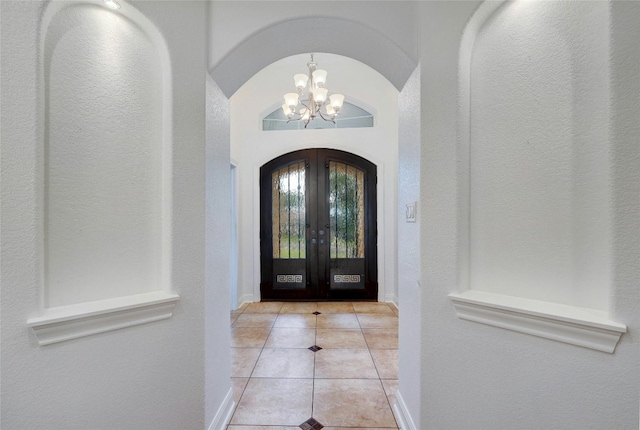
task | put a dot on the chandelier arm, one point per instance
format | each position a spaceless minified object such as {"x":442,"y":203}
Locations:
{"x":326,"y":119}
{"x":306,"y":107}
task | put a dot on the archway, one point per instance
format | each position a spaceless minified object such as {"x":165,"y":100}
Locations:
{"x":356,"y":41}
{"x":339,"y":36}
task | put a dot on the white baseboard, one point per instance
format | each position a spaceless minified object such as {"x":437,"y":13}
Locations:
{"x":391,"y":298}
{"x":225,"y":411}
{"x":245,"y":298}
{"x":405,"y":422}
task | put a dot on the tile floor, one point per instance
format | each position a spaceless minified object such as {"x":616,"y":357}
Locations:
{"x":279,"y":384}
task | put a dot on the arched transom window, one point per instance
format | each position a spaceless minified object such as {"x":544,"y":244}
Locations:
{"x":350,"y":116}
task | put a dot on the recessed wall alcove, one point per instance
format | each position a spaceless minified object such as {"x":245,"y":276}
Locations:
{"x":106,"y":172}
{"x":534,"y":140}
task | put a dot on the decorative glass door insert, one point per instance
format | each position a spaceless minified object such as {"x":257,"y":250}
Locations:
{"x":346,"y":226}
{"x":288,"y":210}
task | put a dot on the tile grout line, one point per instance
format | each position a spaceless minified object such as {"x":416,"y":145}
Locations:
{"x":378,"y":373}
{"x":256,"y":363}
{"x":361,"y":330}
{"x":247,"y":384}
{"x":313,"y":375}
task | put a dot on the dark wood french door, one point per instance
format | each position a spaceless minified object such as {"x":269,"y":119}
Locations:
{"x":318,"y":228}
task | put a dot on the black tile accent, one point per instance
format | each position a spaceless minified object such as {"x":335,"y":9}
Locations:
{"x":314,"y":348}
{"x":311,"y":424}
{"x":317,"y":313}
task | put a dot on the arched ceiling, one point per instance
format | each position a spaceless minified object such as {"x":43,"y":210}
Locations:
{"x":313,"y":34}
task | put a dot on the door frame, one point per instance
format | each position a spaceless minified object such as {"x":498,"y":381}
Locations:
{"x":385,"y":223}
{"x":317,"y":262}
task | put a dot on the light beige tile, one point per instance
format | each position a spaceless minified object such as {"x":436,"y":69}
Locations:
{"x":296,"y":321}
{"x":282,"y":337}
{"x":378,"y":321}
{"x":386,"y":361}
{"x":243,"y":360}
{"x":238,"y":385}
{"x":372,"y":308}
{"x":353,"y":428}
{"x":337,"y":321}
{"x":284,"y":363}
{"x":351,"y":403}
{"x":249,"y":337}
{"x":263,"y":308}
{"x":275,"y":402}
{"x":255,"y":320}
{"x":390,"y":388}
{"x":335,"y":307}
{"x":232,"y":427}
{"x":340,"y":338}
{"x":345,"y":363}
{"x":299,"y":308}
{"x":381,"y":338}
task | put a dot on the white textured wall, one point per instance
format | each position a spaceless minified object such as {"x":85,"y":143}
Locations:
{"x":477,"y":376}
{"x":218,"y":242}
{"x":145,"y":377}
{"x":103,"y":157}
{"x":539,"y":154}
{"x":408,"y":253}
{"x":251,"y":148}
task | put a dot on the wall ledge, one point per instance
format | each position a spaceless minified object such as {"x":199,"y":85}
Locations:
{"x":62,"y":323}
{"x":570,"y":324}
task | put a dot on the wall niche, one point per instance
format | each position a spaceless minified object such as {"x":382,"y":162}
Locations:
{"x":107,"y":158}
{"x":534,"y":127}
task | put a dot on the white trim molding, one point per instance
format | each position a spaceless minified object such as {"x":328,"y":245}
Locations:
{"x":225,"y":411}
{"x":394,"y":304}
{"x":247,"y":298}
{"x":84,"y":319}
{"x":570,"y":324}
{"x":405,"y":422}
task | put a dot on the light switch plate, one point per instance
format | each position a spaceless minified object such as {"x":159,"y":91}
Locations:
{"x":412,"y":209}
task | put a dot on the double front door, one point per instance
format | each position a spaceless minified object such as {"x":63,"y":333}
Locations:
{"x":318,"y":227}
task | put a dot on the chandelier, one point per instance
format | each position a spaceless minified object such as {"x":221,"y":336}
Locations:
{"x":306,"y":105}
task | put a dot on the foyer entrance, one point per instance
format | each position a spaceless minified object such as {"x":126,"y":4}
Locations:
{"x":318,"y":227}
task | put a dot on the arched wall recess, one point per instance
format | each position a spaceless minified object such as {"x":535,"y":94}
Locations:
{"x":535,"y":177}
{"x":105,"y":100}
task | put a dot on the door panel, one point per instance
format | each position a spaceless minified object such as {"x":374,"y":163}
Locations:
{"x":318,"y":227}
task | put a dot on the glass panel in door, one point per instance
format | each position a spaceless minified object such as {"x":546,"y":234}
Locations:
{"x":288,"y":219}
{"x":347,"y":227}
